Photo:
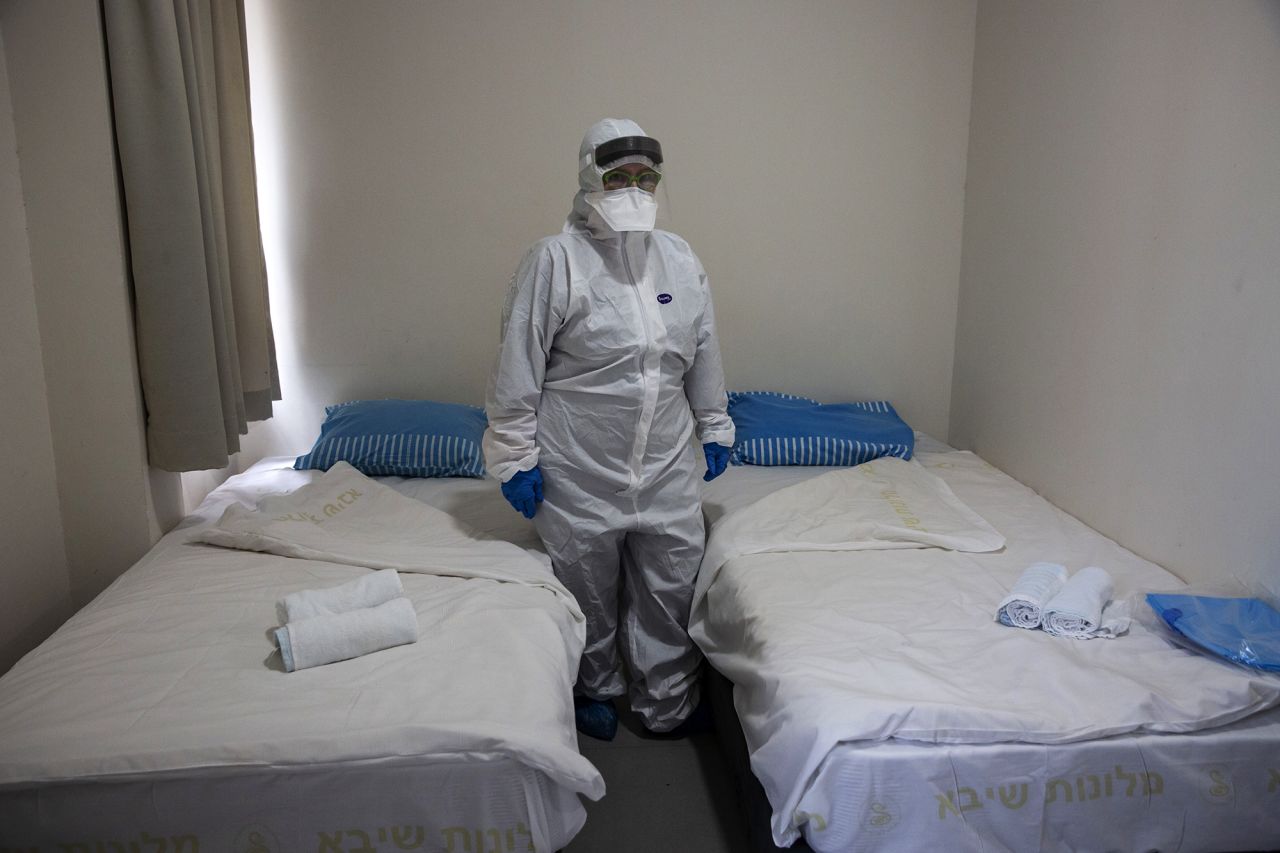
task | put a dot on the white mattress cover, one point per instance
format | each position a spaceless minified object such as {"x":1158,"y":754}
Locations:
{"x":775,"y":629}
{"x":446,"y":804}
{"x":169,"y":674}
{"x":1211,"y":790}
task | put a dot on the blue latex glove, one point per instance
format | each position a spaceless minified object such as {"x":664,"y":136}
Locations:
{"x":717,"y":458}
{"x":524,"y":491}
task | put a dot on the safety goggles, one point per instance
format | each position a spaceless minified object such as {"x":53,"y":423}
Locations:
{"x":618,"y":179}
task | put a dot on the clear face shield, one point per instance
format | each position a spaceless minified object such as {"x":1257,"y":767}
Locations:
{"x":629,"y":165}
{"x":665,"y":218}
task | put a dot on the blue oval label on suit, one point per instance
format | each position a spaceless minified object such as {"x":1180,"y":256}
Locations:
{"x":664,"y":298}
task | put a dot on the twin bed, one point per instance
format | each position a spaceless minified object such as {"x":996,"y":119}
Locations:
{"x":160,"y":718}
{"x":883,"y":708}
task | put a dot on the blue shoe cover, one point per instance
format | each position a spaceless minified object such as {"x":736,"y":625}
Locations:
{"x":595,"y":718}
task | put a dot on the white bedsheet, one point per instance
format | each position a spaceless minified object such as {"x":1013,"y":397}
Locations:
{"x":170,"y":671}
{"x":832,"y":648}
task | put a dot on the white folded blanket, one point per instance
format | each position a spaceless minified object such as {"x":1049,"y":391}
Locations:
{"x":1077,"y":610}
{"x":1023,"y":607}
{"x":367,"y":591}
{"x":344,"y":517}
{"x":340,"y":636}
{"x":885,"y":504}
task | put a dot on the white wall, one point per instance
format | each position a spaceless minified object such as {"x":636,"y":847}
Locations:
{"x":1117,"y":346}
{"x":112,"y":506}
{"x":1118,"y":291}
{"x":410,"y":152}
{"x":35,"y":591}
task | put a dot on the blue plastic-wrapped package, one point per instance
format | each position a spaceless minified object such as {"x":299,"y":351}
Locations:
{"x":1245,"y":631}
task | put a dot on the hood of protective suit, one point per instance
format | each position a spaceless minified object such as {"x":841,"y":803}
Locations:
{"x":590,"y":175}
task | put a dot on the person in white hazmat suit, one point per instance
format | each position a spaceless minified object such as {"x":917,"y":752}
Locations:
{"x":608,"y":367}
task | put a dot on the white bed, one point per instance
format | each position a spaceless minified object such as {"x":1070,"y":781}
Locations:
{"x":159,"y":715}
{"x":847,"y":668}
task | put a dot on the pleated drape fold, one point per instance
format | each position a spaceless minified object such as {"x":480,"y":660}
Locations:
{"x":180,"y":97}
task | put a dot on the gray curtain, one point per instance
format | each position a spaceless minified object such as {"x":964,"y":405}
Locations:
{"x":180,"y":95}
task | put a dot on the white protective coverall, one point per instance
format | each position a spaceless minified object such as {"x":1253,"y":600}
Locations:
{"x":608,"y":357}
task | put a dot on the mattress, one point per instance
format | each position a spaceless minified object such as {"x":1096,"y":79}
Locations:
{"x":159,"y":714}
{"x":1211,"y":789}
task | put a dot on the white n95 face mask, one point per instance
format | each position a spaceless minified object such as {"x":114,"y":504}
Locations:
{"x":630,"y":209}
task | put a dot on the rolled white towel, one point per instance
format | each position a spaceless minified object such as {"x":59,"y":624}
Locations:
{"x":339,"y":636}
{"x":369,"y":590}
{"x":1023,"y":607}
{"x":1077,"y":610}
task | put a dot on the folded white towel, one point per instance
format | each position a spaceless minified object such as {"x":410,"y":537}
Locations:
{"x":339,"y":636}
{"x":369,"y":590}
{"x":1023,"y":607}
{"x":1077,"y":610}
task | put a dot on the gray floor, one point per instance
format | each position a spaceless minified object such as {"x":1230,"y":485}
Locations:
{"x":663,"y":795}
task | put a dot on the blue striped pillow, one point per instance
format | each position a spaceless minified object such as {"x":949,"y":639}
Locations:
{"x":400,"y":438}
{"x":782,"y":429}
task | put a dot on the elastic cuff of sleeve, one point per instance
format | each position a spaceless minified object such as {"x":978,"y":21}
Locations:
{"x":508,"y":470}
